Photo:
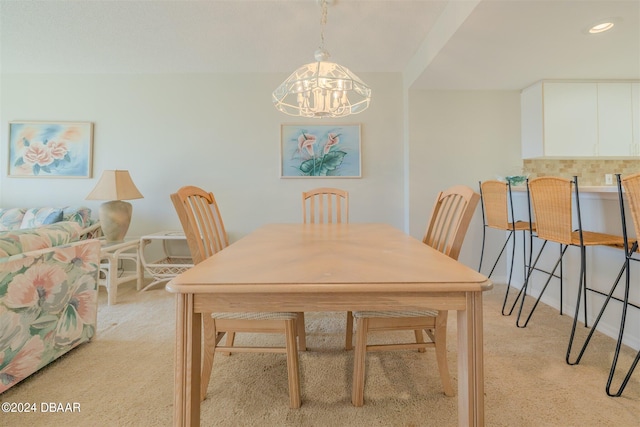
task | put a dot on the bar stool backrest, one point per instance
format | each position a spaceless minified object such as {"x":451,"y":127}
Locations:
{"x":631,"y":186}
{"x":552,"y":207}
{"x":494,"y":198}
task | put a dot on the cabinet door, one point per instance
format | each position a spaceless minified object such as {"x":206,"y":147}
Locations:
{"x":531,"y":122}
{"x":570,"y":119}
{"x":614,"y":119}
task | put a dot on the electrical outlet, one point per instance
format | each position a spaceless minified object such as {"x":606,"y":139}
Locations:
{"x":608,"y":179}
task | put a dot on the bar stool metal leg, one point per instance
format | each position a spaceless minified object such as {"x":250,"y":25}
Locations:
{"x":583,"y":288}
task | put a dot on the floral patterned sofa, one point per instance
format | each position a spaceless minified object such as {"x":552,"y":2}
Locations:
{"x":48,"y":296}
{"x":24,"y":218}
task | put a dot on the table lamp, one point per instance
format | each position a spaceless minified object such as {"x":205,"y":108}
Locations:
{"x":115,"y":215}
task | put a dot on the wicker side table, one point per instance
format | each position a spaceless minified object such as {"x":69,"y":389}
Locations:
{"x":170,"y":264}
{"x":111,"y":254}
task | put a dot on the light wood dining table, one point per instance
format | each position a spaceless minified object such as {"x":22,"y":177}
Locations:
{"x":328,"y":267}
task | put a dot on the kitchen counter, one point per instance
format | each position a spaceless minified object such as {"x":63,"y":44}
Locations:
{"x":602,"y":191}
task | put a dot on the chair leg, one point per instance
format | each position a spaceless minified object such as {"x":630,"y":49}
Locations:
{"x":584,"y":288}
{"x":292,"y":363}
{"x":506,"y":294}
{"x":302,"y":333}
{"x":625,"y":304}
{"x":348,"y":345}
{"x":581,"y":286}
{"x":528,"y":270}
{"x":626,"y":378}
{"x":561,"y":282}
{"x":441,"y":353}
{"x":484,"y":233}
{"x":209,"y":346}
{"x":231,"y":336}
{"x":495,"y":264}
{"x":544,"y":288}
{"x":419,"y":339}
{"x":625,"y":266}
{"x":357,"y":392}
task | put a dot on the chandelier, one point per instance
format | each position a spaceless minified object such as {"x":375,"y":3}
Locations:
{"x":322,"y":88}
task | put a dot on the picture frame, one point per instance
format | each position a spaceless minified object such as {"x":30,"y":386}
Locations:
{"x":40,"y":149}
{"x":320,"y":151}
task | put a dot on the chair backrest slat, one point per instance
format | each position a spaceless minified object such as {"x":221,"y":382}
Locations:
{"x":325,"y":204}
{"x":450,"y":219}
{"x":201,"y":222}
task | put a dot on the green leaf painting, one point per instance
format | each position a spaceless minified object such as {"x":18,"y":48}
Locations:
{"x":321,"y":151}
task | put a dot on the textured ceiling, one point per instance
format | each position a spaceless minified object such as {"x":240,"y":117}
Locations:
{"x":499,"y":45}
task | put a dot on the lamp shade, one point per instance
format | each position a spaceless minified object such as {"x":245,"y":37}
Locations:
{"x":115,"y":185}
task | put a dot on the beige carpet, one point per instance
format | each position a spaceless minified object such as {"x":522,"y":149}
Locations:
{"x":125,"y":377}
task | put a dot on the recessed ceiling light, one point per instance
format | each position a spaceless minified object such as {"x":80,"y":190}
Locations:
{"x":602,"y":25}
{"x":601,"y":28}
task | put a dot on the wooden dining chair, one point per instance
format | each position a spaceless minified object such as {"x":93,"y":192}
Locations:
{"x":206,"y":235}
{"x":496,"y":203}
{"x":328,"y":205}
{"x":325,"y":205}
{"x":552,"y":199}
{"x":445,"y":232}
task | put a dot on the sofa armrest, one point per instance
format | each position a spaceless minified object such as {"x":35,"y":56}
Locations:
{"x":91,"y":232}
{"x":48,"y":305}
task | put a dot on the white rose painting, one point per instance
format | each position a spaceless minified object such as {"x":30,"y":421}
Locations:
{"x":40,"y":149}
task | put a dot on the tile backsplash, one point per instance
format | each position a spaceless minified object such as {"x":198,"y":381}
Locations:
{"x":589,"y":171}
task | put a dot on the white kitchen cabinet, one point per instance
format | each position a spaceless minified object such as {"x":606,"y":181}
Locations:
{"x":614,"y":120}
{"x":570,"y":119}
{"x":580,"y":119}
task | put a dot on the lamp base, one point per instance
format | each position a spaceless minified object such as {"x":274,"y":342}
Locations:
{"x":115,"y":217}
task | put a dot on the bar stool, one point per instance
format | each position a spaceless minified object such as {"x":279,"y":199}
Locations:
{"x":631,"y":185}
{"x":552,"y":206}
{"x":497,"y":209}
{"x":632,"y":188}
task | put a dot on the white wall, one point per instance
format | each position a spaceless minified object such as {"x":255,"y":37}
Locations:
{"x":460,"y":137}
{"x":217,"y":131}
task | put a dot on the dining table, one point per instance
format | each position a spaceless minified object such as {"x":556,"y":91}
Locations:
{"x":328,"y":267}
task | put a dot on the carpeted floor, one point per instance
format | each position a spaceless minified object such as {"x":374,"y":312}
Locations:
{"x":125,"y":377}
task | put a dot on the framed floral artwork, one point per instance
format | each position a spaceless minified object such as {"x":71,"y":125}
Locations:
{"x":50,"y":149}
{"x":327,"y":151}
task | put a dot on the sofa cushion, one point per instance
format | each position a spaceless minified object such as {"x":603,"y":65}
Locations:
{"x":11,"y":218}
{"x":18,"y":241}
{"x":79,"y":214}
{"x":37,"y":217}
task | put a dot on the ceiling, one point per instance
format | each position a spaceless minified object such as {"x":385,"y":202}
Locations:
{"x":438,"y":44}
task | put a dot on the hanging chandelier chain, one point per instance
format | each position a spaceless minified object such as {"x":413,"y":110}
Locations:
{"x":323,"y":22}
